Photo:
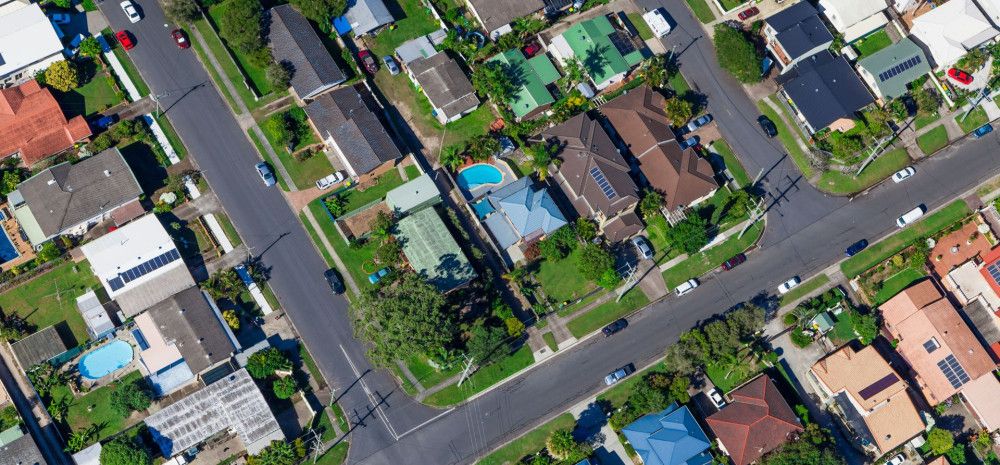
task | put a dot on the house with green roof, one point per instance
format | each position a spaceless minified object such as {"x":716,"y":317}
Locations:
{"x":888,"y":71}
{"x":607,"y":54}
{"x":531,"y":78}
{"x":432,"y":251}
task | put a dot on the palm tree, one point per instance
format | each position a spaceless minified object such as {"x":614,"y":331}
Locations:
{"x":451,"y":156}
{"x":540,"y":157}
{"x":573,"y":73}
{"x":655,"y":72}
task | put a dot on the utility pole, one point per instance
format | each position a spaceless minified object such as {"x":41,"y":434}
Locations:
{"x":755,"y":215}
{"x":465,"y":372}
{"x":982,"y":95}
{"x":315,"y":446}
{"x":631,"y":279}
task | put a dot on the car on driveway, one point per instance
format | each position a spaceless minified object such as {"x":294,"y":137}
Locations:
{"x":333,"y":280}
{"x":748,"y":13}
{"x":699,"y":122}
{"x":131,"y":11}
{"x":619,"y":374}
{"x":716,"y":398}
{"x":903,"y":174}
{"x":642,"y":248}
{"x":767,"y":125}
{"x":897,"y":460}
{"x":982,"y":130}
{"x":105,"y":122}
{"x":733,"y":262}
{"x":614,"y":327}
{"x":125,"y":39}
{"x":390,"y":64}
{"x":368,"y":61}
{"x":180,"y":38}
{"x":960,"y":76}
{"x":690,"y":142}
{"x":531,"y":49}
{"x":265,"y":174}
{"x":856,"y":247}
{"x":786,"y":286}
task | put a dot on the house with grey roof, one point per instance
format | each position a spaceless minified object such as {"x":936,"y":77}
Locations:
{"x":367,"y":16}
{"x":416,"y":194}
{"x":421,"y":47}
{"x":19,"y":448}
{"x":521,"y":215}
{"x":347,"y":119}
{"x":496,"y":16}
{"x":794,"y":34}
{"x":295,"y":44}
{"x":888,"y":72}
{"x":41,"y":346}
{"x":70,"y":198}
{"x":826,"y":91}
{"x":446,"y":86}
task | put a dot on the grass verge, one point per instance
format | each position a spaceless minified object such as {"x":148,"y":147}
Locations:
{"x":315,"y":238}
{"x":933,"y":140}
{"x":607,"y":312}
{"x":804,"y":289}
{"x":731,"y":162}
{"x":267,"y":157}
{"x":836,"y":182}
{"x":131,"y":71}
{"x":788,"y":137}
{"x":974,"y":120}
{"x":701,"y":11}
{"x":703,"y":262}
{"x":531,"y":442}
{"x":483,"y":378}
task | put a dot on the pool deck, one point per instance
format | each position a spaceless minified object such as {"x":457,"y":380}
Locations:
{"x":480,"y":191}
{"x":24,"y":250}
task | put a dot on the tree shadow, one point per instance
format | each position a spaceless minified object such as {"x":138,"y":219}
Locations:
{"x":144,"y":165}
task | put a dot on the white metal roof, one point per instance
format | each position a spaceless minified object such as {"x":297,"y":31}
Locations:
{"x":846,"y":13}
{"x":950,"y":30}
{"x":26,"y":36}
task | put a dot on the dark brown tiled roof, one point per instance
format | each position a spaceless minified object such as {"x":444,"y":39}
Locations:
{"x":32,"y":124}
{"x":293,"y":41}
{"x":623,"y":227}
{"x":346,"y":116}
{"x":757,"y":421}
{"x":497,"y":13}
{"x":444,"y":83}
{"x":187,"y":320}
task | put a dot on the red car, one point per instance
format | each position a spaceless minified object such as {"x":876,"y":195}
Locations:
{"x":532,"y":49}
{"x":366,"y":59}
{"x":125,"y":39}
{"x":960,"y":76}
{"x":748,"y":13}
{"x":180,"y":38}
{"x":734,"y":262}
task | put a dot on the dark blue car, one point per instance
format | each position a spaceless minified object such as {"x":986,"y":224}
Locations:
{"x":105,"y":122}
{"x":856,"y":247}
{"x":982,"y":130}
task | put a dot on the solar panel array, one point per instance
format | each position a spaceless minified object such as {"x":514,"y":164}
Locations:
{"x":994,"y":271}
{"x":603,"y":183}
{"x":878,"y":386}
{"x":622,"y":42}
{"x":953,"y":371}
{"x":143,"y":269}
{"x":895,"y":70}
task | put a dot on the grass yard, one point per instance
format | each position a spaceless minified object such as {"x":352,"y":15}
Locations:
{"x":924,"y":120}
{"x":550,"y":340}
{"x":656,"y":232}
{"x":872,"y":43}
{"x":882,"y":250}
{"x":837,"y":182}
{"x":386,"y":182}
{"x":530,"y":443}
{"x":94,"y":408}
{"x":678,"y":83}
{"x":228,"y":229}
{"x":727,"y":377}
{"x":607,"y":312}
{"x":483,"y":378}
{"x":202,"y":26}
{"x":51,"y":298}
{"x":130,"y":70}
{"x":933,"y":140}
{"x":561,"y":279}
{"x":731,"y":5}
{"x":974,"y":120}
{"x":731,"y":163}
{"x":427,"y":374}
{"x":788,"y":137}
{"x":97,"y":94}
{"x":620,"y":392}
{"x":898,"y":282}
{"x":304,"y":173}
{"x":843,"y":329}
{"x":336,"y":455}
{"x":315,"y":238}
{"x":416,"y":21}
{"x":645,"y":33}
{"x":267,"y":157}
{"x":701,"y":10}
{"x":256,"y":75}
{"x":703,"y":262}
{"x":804,"y":289}
{"x":172,"y":137}
{"x":715,"y":212}
{"x":412,"y":172}
{"x":354,"y":259}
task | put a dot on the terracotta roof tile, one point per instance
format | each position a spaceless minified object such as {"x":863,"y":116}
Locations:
{"x":758,"y":421}
{"x":32,"y":124}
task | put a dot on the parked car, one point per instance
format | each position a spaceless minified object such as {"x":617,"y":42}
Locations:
{"x":786,"y":286}
{"x":378,"y":275}
{"x":131,"y":10}
{"x":614,"y":327}
{"x":910,"y":216}
{"x":767,"y":125}
{"x":390,"y":64}
{"x":856,"y":247}
{"x":699,"y":122}
{"x":657,"y":22}
{"x":619,"y":374}
{"x":368,"y":61}
{"x":690,"y":142}
{"x":716,"y":398}
{"x":265,"y":174}
{"x":333,"y":280}
{"x":642,"y":248}
{"x":59,"y":18}
{"x":903,"y":174}
{"x":960,"y":76}
{"x":531,"y":49}
{"x":897,"y":460}
{"x":686,"y":286}
{"x":329,"y":180}
{"x":180,"y":38}
{"x":748,"y":13}
{"x":105,"y":122}
{"x":733,"y":262}
{"x":125,"y":39}
{"x":982,"y":130}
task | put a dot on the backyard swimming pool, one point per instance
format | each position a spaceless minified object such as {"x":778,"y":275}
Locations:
{"x":105,"y":360}
{"x":478,"y":175}
{"x":7,"y":250}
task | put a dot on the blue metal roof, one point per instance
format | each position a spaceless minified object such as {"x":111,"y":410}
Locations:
{"x":528,"y":210}
{"x":670,"y":437}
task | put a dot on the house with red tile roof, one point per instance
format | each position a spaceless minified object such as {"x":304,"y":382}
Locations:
{"x":33,"y":127}
{"x":756,"y":421}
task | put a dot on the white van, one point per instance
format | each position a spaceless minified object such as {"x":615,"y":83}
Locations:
{"x":657,"y":22}
{"x":910,"y":216}
{"x":686,"y":287}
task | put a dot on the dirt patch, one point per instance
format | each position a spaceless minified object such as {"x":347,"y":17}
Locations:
{"x":357,"y":225}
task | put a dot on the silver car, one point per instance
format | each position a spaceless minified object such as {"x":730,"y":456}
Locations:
{"x":390,"y":64}
{"x":619,"y":374}
{"x":265,"y":174}
{"x":642,"y":248}
{"x":903,"y":174}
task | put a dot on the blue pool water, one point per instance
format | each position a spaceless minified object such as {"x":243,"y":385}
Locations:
{"x":7,"y":250}
{"x":105,"y":360}
{"x":478,"y":175}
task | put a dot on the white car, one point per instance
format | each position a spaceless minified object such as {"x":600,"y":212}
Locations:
{"x":897,"y":460}
{"x":686,"y":287}
{"x":131,"y":11}
{"x":788,"y":285}
{"x":910,"y":216}
{"x":716,"y":398}
{"x":903,"y":174}
{"x":657,"y":22}
{"x":329,"y":180}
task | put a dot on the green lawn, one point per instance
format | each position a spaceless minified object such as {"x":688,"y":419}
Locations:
{"x":703,"y":262}
{"x":229,"y":67}
{"x":788,"y":137}
{"x":304,"y":173}
{"x":324,"y":426}
{"x":315,"y":238}
{"x":199,"y":49}
{"x":384,"y":183}
{"x":97,"y":95}
{"x":310,"y":364}
{"x":837,"y":182}
{"x":408,"y":386}
{"x":550,"y":340}
{"x":896,"y":283}
{"x":804,"y":289}
{"x":843,"y":329}
{"x":336,"y":455}
{"x":727,"y":377}
{"x":873,"y":43}
{"x":51,"y":298}
{"x":416,"y":21}
{"x":607,"y":312}
{"x":974,"y":120}
{"x":731,"y":162}
{"x":412,"y":172}
{"x":427,"y":374}
{"x":656,"y":232}
{"x":924,"y":120}
{"x":561,"y":279}
{"x":884,"y":249}
{"x":483,"y":378}
{"x":256,"y":75}
{"x":354,"y":258}
{"x":645,"y":33}
{"x":933,"y":140}
{"x":172,"y":137}
{"x":228,"y":229}
{"x":94,"y":408}
{"x":622,"y":390}
{"x":131,"y":71}
{"x":530,"y":443}
{"x":267,"y":157}
{"x":701,"y":10}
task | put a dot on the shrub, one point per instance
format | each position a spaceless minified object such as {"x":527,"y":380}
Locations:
{"x":736,"y":54}
{"x":266,"y":362}
{"x":129,"y":397}
{"x":800,"y":338}
{"x":124,"y":451}
{"x":285,"y":388}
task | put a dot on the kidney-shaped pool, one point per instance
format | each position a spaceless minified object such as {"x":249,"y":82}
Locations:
{"x":105,"y":360}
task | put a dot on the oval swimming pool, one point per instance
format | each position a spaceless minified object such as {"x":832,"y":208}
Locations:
{"x":105,"y":360}
{"x":478,"y":175}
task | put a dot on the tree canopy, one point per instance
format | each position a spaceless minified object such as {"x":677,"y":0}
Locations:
{"x":124,"y":451}
{"x":62,"y":76}
{"x":242,"y":25}
{"x":321,"y":11}
{"x":493,"y":79}
{"x":690,"y":235}
{"x":266,"y":362}
{"x":736,"y":54}
{"x":598,"y":265}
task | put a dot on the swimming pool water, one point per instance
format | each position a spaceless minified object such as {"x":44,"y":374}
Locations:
{"x":478,"y":175}
{"x":7,"y":250}
{"x":105,"y":360}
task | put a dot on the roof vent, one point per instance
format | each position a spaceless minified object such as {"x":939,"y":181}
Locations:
{"x":51,"y":182}
{"x":107,"y":173}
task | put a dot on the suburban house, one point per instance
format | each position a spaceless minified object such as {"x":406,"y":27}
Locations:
{"x":33,"y":127}
{"x":594,"y":176}
{"x":432,"y":251}
{"x":889,"y":71}
{"x":232,"y":405}
{"x":70,"y":198}
{"x":868,"y":396}
{"x":496,"y":15}
{"x":519,"y":215}
{"x":943,"y":353}
{"x":18,"y":447}
{"x":950,"y":30}
{"x":367,"y":16}
{"x":607,"y":54}
{"x":28,"y":43}
{"x":348,"y":124}
{"x":41,"y":346}
{"x":794,"y":34}
{"x":421,"y":47}
{"x":854,"y":18}
{"x":531,"y":78}
{"x":138,"y":265}
{"x":416,"y":194}
{"x":296,"y":45}
{"x":825,"y":91}
{"x":670,"y":437}
{"x":684,"y":178}
{"x":755,"y":422}
{"x":445,"y":85}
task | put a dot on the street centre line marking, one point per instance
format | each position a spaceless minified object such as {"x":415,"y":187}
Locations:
{"x":426,"y":422}
{"x":371,"y":397}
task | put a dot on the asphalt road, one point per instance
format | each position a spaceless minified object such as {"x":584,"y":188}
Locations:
{"x":807,"y":231}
